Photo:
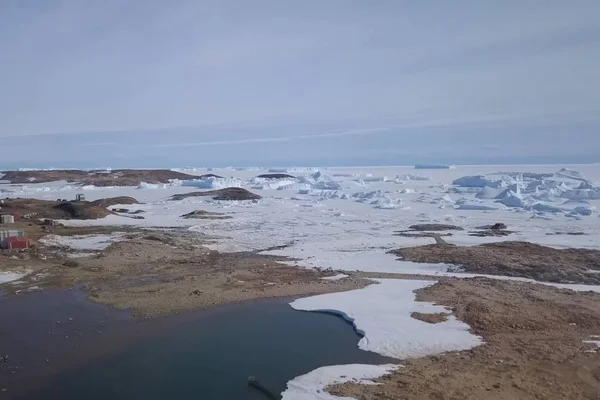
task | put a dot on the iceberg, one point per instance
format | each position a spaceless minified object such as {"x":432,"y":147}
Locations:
{"x":489,"y":193}
{"x":476,"y":181}
{"x":213,"y":183}
{"x":582,"y":194}
{"x":411,"y":177}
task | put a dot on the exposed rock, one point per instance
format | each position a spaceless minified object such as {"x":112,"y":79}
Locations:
{"x":435,"y":227}
{"x":231,"y":193}
{"x":118,"y":177}
{"x":496,"y":226}
{"x":206,"y":176}
{"x":520,"y":259}
{"x":201,"y":214}
{"x":430,"y":318}
{"x":111,"y":201}
{"x":276,"y":176}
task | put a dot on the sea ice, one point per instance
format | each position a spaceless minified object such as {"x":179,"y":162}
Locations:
{"x":411,"y":177}
{"x":475,"y":207}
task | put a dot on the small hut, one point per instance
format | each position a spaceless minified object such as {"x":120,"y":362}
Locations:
{"x":16,"y":242}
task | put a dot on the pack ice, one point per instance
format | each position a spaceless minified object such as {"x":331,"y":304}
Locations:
{"x":541,"y":193}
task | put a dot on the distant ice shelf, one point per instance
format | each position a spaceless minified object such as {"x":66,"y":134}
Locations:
{"x":434,"y":166}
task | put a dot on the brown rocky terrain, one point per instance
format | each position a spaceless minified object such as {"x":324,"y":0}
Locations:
{"x":201,"y":214}
{"x":155,"y":273}
{"x":117,"y":177}
{"x":276,"y":176}
{"x":434,"y":227}
{"x":111,"y":201}
{"x":517,"y":259}
{"x":535,"y":347}
{"x":36,"y":209}
{"x":231,"y":193}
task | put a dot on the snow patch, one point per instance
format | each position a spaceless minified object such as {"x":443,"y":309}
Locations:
{"x":10,"y":276}
{"x":82,"y":242}
{"x":312,"y":386}
{"x":335,"y":277}
{"x":382,"y":313}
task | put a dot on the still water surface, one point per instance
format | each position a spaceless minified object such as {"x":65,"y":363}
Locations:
{"x":211,"y":354}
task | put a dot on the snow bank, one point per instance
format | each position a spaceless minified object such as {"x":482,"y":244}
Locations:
{"x":382,"y":313}
{"x":335,"y":277}
{"x":10,"y":276}
{"x":82,"y":242}
{"x":311,"y":386}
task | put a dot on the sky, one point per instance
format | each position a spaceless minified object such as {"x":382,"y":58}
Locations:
{"x":313,"y":82}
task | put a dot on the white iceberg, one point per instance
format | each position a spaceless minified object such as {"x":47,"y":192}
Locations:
{"x":213,"y":183}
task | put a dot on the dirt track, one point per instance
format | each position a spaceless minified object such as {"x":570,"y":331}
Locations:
{"x":533,"y":347}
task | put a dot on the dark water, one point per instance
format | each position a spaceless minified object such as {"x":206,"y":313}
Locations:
{"x":201,"y":355}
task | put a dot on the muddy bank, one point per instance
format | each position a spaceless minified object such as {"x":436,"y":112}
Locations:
{"x":535,"y":347}
{"x":517,"y":259}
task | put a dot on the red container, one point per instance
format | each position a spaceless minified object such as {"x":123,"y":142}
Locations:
{"x":16,"y":242}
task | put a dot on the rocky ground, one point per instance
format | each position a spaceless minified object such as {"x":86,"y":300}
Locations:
{"x":160,"y":272}
{"x":116,"y":177}
{"x":516,"y":259}
{"x":35,"y":209}
{"x":536,"y":346}
{"x":230,"y":193}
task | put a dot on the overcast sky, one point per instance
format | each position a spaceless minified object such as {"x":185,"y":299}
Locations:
{"x":308,"y":81}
